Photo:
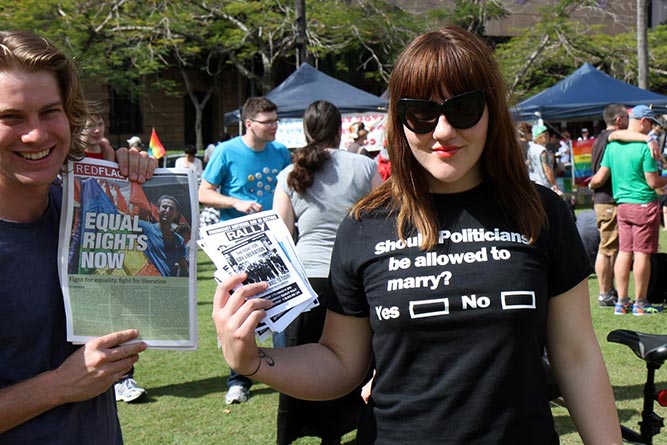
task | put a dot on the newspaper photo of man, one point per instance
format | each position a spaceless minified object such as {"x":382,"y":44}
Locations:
{"x":167,"y":249}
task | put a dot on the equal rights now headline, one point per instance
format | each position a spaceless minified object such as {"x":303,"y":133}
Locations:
{"x":107,"y":236}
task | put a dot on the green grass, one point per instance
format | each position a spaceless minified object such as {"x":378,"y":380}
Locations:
{"x":186,"y":402}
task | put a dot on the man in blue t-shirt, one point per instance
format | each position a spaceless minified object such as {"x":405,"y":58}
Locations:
{"x":245,"y":169}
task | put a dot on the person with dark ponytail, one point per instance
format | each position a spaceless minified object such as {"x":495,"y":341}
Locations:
{"x":316,"y":191}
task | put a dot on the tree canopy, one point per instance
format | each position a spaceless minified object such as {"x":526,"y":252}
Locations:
{"x":128,"y":44}
{"x":558,"y":44}
{"x":175,"y":44}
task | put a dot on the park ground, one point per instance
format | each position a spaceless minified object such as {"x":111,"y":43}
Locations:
{"x":186,"y":390}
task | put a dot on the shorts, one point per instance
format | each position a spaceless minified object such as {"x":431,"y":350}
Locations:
{"x":605,"y":216}
{"x":639,"y":227}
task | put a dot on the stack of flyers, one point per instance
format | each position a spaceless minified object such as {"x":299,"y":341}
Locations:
{"x":261,"y":246}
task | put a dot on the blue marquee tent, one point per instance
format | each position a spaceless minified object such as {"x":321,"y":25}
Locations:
{"x":306,"y":85}
{"x":585,"y":94}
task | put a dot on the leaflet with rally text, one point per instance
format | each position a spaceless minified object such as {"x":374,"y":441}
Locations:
{"x":260,"y":246}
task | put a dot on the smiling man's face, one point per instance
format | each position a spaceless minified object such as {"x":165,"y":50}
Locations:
{"x":34,"y":129}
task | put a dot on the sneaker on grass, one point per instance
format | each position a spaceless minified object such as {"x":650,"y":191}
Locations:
{"x":608,"y":299}
{"x":128,"y":391}
{"x":622,"y":308}
{"x":645,"y":309}
{"x":237,"y":394}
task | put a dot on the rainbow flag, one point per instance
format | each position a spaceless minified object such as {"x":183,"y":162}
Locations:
{"x":155,"y":147}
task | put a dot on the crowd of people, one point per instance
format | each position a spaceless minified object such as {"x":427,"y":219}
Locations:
{"x":637,"y":188}
{"x":395,"y":263}
{"x":630,"y":215}
{"x":628,"y":197}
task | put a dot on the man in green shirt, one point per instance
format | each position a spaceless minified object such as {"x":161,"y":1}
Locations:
{"x":634,"y":175}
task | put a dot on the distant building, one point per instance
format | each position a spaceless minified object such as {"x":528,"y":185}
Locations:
{"x":621,"y":16}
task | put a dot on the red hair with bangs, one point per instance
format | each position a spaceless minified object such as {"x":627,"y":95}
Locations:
{"x":446,"y":63}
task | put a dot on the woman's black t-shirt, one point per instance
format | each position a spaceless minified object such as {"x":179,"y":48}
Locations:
{"x":459,"y":331}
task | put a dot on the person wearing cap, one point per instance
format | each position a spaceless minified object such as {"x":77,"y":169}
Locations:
{"x":584,"y":135}
{"x":650,"y":138}
{"x":617,"y":119}
{"x":634,"y":176}
{"x":540,"y":164}
{"x":135,"y":142}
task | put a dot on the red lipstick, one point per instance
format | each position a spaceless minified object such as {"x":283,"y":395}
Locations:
{"x":446,"y":152}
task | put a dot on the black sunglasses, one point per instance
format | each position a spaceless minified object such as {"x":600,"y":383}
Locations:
{"x":462,"y":111}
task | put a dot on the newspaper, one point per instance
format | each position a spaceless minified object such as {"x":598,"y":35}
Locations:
{"x":261,"y":246}
{"x":127,"y":255}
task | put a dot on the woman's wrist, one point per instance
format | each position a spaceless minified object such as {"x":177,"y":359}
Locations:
{"x":259,"y":365}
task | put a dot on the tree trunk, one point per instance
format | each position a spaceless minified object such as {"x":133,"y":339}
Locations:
{"x":199,"y":140}
{"x":642,"y":44}
{"x":199,"y":107}
{"x":300,"y":32}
